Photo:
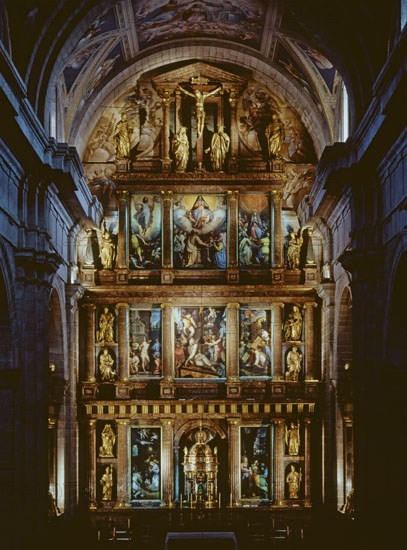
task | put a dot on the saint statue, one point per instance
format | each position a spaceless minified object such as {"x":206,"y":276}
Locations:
{"x":180,"y":149}
{"x":108,"y":441}
{"x":293,"y":250}
{"x":294,"y":482}
{"x":199,"y":104}
{"x":106,"y":482}
{"x":220,"y":143}
{"x":292,"y":438}
{"x":294,"y":357}
{"x":275,"y":136}
{"x":106,"y":363}
{"x":107,"y":250}
{"x":121,"y":137}
{"x":105,"y":332}
{"x":292,"y":327}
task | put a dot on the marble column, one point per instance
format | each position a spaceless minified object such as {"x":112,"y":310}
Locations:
{"x":177,"y":120}
{"x":233,"y":384}
{"x":309,"y":329}
{"x":234,"y":461}
{"x":277,"y":335}
{"x":123,"y":340}
{"x":279,"y":470}
{"x":167,"y":381}
{"x":307,"y":462}
{"x":122,"y":473}
{"x":233,"y":203}
{"x":234,"y":136}
{"x":277,"y":204}
{"x":92,"y":481}
{"x":167,"y":463}
{"x":90,"y":310}
{"x":165,"y":101}
{"x":122,"y":235}
{"x":167,"y":229}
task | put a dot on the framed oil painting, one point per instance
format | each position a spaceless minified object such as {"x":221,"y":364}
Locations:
{"x":145,"y":463}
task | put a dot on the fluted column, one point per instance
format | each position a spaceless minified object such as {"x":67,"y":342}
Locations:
{"x":234,"y":136}
{"x":232,"y":344}
{"x":167,"y":381}
{"x":279,"y":470}
{"x":309,"y":322}
{"x":122,"y":235}
{"x":277,"y":203}
{"x":234,"y":461}
{"x":307,"y":462}
{"x":177,"y":121}
{"x":167,"y":462}
{"x":123,"y":478}
{"x":167,"y":228}
{"x":165,"y":102}
{"x":92,"y":463}
{"x":277,"y":335}
{"x":90,"y":310}
{"x":123,"y":340}
{"x":233,"y":197}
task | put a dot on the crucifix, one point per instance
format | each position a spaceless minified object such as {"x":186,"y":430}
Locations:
{"x":200,"y":93}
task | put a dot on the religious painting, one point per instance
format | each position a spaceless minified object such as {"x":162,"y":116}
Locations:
{"x":145,"y":231}
{"x":145,"y":354}
{"x":254,"y":235}
{"x":200,"y":231}
{"x":103,"y":69}
{"x":145,"y":463}
{"x":158,"y":20}
{"x":322,"y":64}
{"x":200,"y":342}
{"x":255,"y":482}
{"x":254,"y":342}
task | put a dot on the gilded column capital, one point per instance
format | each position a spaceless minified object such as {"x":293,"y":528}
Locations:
{"x":307,"y":421}
{"x":278,"y":421}
{"x":89,"y":306}
{"x":233,"y":97}
{"x":123,"y":421}
{"x":122,"y":195}
{"x":167,"y":305}
{"x":233,"y":194}
{"x":233,"y":306}
{"x":122,"y":305}
{"x":92,"y":422}
{"x":167,"y":422}
{"x":276,"y":305}
{"x":310,"y":305}
{"x":233,"y":421}
{"x":167,"y":195}
{"x":277,"y":195}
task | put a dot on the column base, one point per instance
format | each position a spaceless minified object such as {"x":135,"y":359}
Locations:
{"x":122,"y":276}
{"x":277,"y":276}
{"x":122,"y":390}
{"x":233,"y":275}
{"x":122,"y":165}
{"x":233,"y":389}
{"x":167,"y":276}
{"x":166,"y":165}
{"x":310,"y":275}
{"x":167,"y":389}
{"x":88,"y":276}
{"x":89,"y":390}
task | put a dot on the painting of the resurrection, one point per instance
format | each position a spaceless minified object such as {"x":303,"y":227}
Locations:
{"x":145,"y":231}
{"x":200,"y":342}
{"x":254,"y":230}
{"x":255,"y":463}
{"x":200,"y":236}
{"x":145,"y":463}
{"x":145,"y":358}
{"x":254,"y":344}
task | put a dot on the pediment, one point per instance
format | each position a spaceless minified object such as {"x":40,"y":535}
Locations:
{"x":199,"y":69}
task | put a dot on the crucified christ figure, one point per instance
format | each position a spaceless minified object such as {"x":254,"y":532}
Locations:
{"x":199,"y":101}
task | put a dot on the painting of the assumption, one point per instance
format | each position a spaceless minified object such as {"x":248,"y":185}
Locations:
{"x":255,"y":462}
{"x":145,"y":357}
{"x":200,"y":342}
{"x":254,"y":235}
{"x":145,"y":231}
{"x":254,"y":343}
{"x":145,"y":464}
{"x":200,"y":235}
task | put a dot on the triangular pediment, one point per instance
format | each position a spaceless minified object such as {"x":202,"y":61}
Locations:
{"x":199,"y":69}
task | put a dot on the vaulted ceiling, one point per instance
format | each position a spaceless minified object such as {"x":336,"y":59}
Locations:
{"x":79,"y":56}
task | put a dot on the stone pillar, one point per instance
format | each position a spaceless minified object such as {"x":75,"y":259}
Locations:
{"x":92,"y":481}
{"x":167,"y":382}
{"x":122,"y":474}
{"x":279,"y":469}
{"x":90,"y":310}
{"x":177,"y":121}
{"x":167,"y":228}
{"x":309,"y":316}
{"x":232,"y":351}
{"x":277,"y":204}
{"x":307,"y":462}
{"x":233,"y":260}
{"x":167,"y":463}
{"x":234,"y":135}
{"x":277,"y":335}
{"x":122,"y":236}
{"x":165,"y":101}
{"x":234,"y":462}
{"x":123,"y":340}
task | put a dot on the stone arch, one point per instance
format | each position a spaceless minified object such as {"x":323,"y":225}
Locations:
{"x":193,"y":424}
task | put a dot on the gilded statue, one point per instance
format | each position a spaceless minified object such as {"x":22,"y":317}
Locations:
{"x":294,"y":249}
{"x":121,"y":137}
{"x":107,"y":250}
{"x":292,"y":327}
{"x":293,"y":480}
{"x":108,"y":441}
{"x":106,"y":363}
{"x":199,"y":104}
{"x":106,"y":482}
{"x":220,"y":143}
{"x":105,"y":332}
{"x":275,"y":136}
{"x":292,"y":438}
{"x":180,"y":149}
{"x":294,"y":357}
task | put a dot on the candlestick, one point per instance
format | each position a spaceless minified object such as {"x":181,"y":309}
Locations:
{"x":180,"y":502}
{"x":219,"y":499}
